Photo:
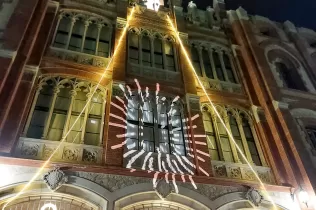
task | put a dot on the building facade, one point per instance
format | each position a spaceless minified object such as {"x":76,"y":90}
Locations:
{"x":114,"y":104}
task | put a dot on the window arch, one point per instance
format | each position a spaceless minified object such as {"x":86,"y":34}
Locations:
{"x":289,"y":76}
{"x":155,"y":125}
{"x":57,"y":104}
{"x":82,"y":32}
{"x":221,"y":147}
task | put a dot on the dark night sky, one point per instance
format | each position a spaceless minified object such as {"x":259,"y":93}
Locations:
{"x":301,"y":12}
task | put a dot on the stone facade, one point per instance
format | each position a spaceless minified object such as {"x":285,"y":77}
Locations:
{"x":242,"y":88}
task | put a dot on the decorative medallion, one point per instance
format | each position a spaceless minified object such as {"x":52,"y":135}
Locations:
{"x":163,"y":189}
{"x":254,"y":196}
{"x":55,"y":178}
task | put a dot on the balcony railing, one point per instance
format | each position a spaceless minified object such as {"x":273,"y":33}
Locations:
{"x":241,"y":171}
{"x":156,"y":73}
{"x":78,"y":57}
{"x":68,"y":152}
{"x":220,"y":85}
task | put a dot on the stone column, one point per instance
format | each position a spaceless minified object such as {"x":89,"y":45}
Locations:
{"x":98,"y":38}
{"x":73,"y":22}
{"x":86,"y":26}
{"x":67,"y":123}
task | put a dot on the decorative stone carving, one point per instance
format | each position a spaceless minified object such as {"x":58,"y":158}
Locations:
{"x":55,"y":178}
{"x":120,"y":23}
{"x":163,"y":189}
{"x":192,"y":11}
{"x":70,"y":154}
{"x":90,"y":156}
{"x":220,"y":171}
{"x":234,"y":173}
{"x":30,"y":149}
{"x":254,"y":196}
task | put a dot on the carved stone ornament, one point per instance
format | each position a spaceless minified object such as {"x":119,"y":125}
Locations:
{"x":163,"y":189}
{"x":254,"y":196}
{"x":55,"y":178}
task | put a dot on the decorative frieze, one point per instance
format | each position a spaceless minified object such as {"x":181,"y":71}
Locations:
{"x":220,"y":85}
{"x":241,"y":171}
{"x":68,"y":152}
{"x":55,"y":178}
{"x":78,"y":57}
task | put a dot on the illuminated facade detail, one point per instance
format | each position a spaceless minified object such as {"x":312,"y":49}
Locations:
{"x":145,"y":106}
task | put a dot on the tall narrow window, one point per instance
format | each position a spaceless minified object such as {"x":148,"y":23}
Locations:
{"x":251,"y":141}
{"x":94,"y":121}
{"x":154,"y":127}
{"x":59,"y":116}
{"x":76,"y":36}
{"x":207,"y":64}
{"x":312,"y":136}
{"x":77,"y":106}
{"x":104,"y":42}
{"x":196,"y":60}
{"x":210,"y":135}
{"x":62,"y":32}
{"x":133,"y":48}
{"x":229,"y":69}
{"x":218,"y":66}
{"x":146,"y":54}
{"x":169,"y":56}
{"x":40,"y":112}
{"x":91,"y":39}
{"x":158,"y":53}
{"x":290,"y":77}
{"x":237,"y":137}
{"x":224,"y":139}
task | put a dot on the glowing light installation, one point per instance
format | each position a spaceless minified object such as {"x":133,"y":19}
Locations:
{"x":40,"y":170}
{"x":216,"y":112}
{"x":174,"y":165}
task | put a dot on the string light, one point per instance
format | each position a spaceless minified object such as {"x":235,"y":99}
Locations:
{"x":215,"y":110}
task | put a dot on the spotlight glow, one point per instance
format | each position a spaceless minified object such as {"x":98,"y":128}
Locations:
{"x":216,"y":112}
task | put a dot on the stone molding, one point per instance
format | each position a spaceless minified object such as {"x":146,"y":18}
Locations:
{"x":7,"y":53}
{"x":280,"y":105}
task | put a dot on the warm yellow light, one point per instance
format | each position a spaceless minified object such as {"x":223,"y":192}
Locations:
{"x":214,"y":108}
{"x":40,"y":170}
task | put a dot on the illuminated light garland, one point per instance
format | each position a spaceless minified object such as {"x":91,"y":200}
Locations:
{"x":216,"y":112}
{"x":118,"y":107}
{"x":187,"y":161}
{"x":120,"y":100}
{"x":202,"y":153}
{"x":170,"y":164}
{"x":166,"y":177}
{"x":119,"y":145}
{"x":195,"y":117}
{"x":145,"y":160}
{"x":200,"y":159}
{"x":203,"y":171}
{"x":151,"y":164}
{"x":192,"y":182}
{"x":159,"y":160}
{"x":129,"y":153}
{"x":134,"y":158}
{"x":174,"y":183}
{"x":133,"y":170}
{"x":164,"y":166}
{"x":118,"y":125}
{"x":176,"y":164}
{"x":155,"y":179}
{"x":183,"y":178}
{"x":118,"y":117}
{"x":183,"y":165}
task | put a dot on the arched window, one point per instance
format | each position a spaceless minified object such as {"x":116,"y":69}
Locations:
{"x":218,"y":66}
{"x":207,"y":64}
{"x":219,"y":144}
{"x":133,"y":47}
{"x":155,"y":127}
{"x":76,"y":37}
{"x":158,"y":53}
{"x":250,"y":141}
{"x":196,"y":60}
{"x":169,"y":51}
{"x":229,"y":69}
{"x":146,"y":50}
{"x":58,"y":105}
{"x":290,"y":77}
{"x":63,"y":30}
{"x":89,"y":34}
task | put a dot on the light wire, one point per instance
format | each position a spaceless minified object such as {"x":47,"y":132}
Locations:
{"x":215,"y":110}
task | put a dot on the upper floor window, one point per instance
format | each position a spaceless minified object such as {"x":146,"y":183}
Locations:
{"x":213,"y":64}
{"x":83,"y":33}
{"x":58,"y":103}
{"x":154,"y":50}
{"x":312,"y":136}
{"x":290,"y":77}
{"x":155,"y":126}
{"x":221,"y":147}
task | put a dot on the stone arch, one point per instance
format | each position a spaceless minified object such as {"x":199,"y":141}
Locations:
{"x":303,"y":113}
{"x":274,"y":54}
{"x":144,"y":192}
{"x":78,"y":189}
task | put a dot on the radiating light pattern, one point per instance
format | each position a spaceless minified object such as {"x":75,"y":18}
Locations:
{"x":216,"y":112}
{"x":40,"y":170}
{"x":181,"y":166}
